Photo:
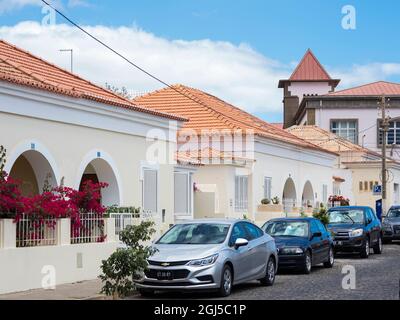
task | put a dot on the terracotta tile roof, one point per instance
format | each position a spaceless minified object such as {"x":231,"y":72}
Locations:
{"x":208,"y":154}
{"x":309,"y":68}
{"x":206,"y":112}
{"x":21,"y":67}
{"x":278,"y":125}
{"x":327,"y":140}
{"x":370,"y":89}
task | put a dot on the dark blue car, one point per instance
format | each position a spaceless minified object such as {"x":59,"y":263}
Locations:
{"x":301,"y":242}
{"x":355,"y":229}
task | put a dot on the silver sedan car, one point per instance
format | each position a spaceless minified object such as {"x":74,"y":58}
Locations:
{"x":210,"y":255}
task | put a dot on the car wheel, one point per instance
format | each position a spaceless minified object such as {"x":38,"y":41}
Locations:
{"x":307,"y":263}
{"x":331,"y":259}
{"x":378,"y":248}
{"x":146,"y":293}
{"x":226,"y":282}
{"x":269,"y":278}
{"x":364,"y":254}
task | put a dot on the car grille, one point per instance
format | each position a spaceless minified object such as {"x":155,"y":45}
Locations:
{"x":342,"y":235}
{"x":175,"y":274}
{"x":168,"y":284}
{"x":396,"y":229}
{"x":170,"y":264}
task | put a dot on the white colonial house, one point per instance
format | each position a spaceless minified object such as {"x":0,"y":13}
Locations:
{"x":310,"y":98}
{"x":244,"y":159}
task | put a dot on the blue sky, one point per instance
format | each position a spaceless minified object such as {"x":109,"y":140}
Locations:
{"x":281,"y":31}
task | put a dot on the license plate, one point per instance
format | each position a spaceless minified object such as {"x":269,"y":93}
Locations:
{"x":165,"y":275}
{"x":338,"y":243}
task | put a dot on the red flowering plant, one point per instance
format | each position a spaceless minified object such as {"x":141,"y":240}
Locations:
{"x":339,"y":199}
{"x":85,"y":204}
{"x":11,"y":200}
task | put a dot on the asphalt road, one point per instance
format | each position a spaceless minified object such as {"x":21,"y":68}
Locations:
{"x":375,"y":278}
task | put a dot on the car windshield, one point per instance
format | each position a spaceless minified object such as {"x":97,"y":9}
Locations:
{"x":394,"y":213}
{"x":196,"y":233}
{"x":287,"y":229}
{"x":346,"y":216}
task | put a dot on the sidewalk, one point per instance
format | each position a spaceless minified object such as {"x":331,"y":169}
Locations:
{"x":86,"y":290}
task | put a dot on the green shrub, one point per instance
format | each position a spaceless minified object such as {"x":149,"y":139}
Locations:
{"x":126,"y":265}
{"x":322,"y":215}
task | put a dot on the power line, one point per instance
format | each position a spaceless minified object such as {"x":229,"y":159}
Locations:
{"x":121,"y":55}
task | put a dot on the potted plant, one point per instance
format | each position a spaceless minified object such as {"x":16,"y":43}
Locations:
{"x":265,"y":201}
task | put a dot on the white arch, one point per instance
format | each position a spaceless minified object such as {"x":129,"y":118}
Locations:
{"x":40,"y":159}
{"x":107,"y":171}
{"x":308,"y":193}
{"x":289,"y":190}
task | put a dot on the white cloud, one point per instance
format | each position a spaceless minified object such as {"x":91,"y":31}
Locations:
{"x":237,"y":74}
{"x":361,"y":74}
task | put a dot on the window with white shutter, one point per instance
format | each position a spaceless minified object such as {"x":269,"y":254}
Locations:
{"x":267,"y":187}
{"x":150,"y":190}
{"x":241,"y":193}
{"x":324,"y":193}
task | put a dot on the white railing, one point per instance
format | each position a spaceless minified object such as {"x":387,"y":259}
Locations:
{"x":288,"y":205}
{"x":89,"y":230}
{"x":36,"y":231}
{"x":122,"y":220}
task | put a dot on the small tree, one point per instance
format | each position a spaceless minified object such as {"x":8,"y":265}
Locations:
{"x":322,"y":214}
{"x":123,"y":92}
{"x":126,"y":265}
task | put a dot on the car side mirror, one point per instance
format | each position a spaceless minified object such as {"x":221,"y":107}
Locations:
{"x":316,"y":235}
{"x":240,"y":242}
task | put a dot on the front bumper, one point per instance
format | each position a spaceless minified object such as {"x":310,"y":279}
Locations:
{"x":349,"y":245}
{"x":189,"y":279}
{"x":292,"y":261}
{"x":391,"y":233}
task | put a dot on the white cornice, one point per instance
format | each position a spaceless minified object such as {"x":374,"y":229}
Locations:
{"x":292,"y":152}
{"x":39,"y":104}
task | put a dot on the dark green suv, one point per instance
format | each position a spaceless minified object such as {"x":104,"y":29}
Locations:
{"x":355,"y":229}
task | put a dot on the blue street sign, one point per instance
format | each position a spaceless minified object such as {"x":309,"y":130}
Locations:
{"x":377,"y":190}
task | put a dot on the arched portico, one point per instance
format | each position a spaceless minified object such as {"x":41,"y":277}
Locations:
{"x":99,"y":167}
{"x":32,"y":164}
{"x":289,"y":197}
{"x":308,"y":195}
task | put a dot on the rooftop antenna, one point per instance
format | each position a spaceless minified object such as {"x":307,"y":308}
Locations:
{"x":71,"y":51}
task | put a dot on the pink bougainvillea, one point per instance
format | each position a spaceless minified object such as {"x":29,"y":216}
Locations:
{"x":61,"y":202}
{"x":11,"y":200}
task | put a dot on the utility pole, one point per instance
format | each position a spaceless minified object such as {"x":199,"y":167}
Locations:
{"x":385,"y":129}
{"x":71,"y":51}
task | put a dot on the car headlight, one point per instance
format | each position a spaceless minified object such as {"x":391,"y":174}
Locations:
{"x":204,"y":262}
{"x":292,"y":250}
{"x":386,"y":225}
{"x":356,"y":233}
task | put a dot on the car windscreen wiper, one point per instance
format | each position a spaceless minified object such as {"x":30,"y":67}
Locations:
{"x":348,"y":216}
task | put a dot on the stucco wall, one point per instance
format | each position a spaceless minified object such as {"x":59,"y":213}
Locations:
{"x":70,"y":145}
{"x":281,"y":168}
{"x":25,"y":268}
{"x":316,"y":88}
{"x":367,"y":123}
{"x":373,"y":174}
